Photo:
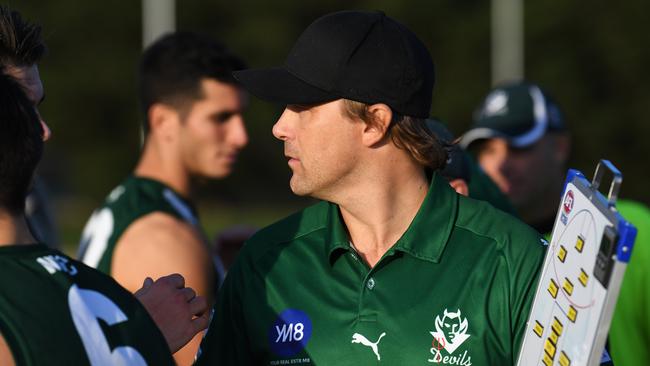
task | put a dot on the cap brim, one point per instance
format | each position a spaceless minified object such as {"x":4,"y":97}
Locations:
{"x":484,"y":133}
{"x":477,"y":134}
{"x":277,"y":85}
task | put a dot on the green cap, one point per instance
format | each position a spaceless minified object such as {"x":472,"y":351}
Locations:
{"x":520,"y":112}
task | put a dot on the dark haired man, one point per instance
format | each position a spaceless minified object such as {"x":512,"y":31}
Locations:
{"x":21,"y":49}
{"x":55,"y":310}
{"x":193,"y":126}
{"x":177,"y":312}
{"x":370,"y":274}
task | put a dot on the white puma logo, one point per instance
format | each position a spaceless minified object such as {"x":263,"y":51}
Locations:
{"x":359,"y":338}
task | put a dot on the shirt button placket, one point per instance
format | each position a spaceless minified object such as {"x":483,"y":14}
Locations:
{"x":371,"y":283}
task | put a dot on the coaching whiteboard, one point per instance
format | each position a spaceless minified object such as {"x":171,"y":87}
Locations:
{"x":583,"y":269}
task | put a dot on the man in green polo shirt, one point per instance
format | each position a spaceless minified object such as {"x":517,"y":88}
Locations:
{"x":521,"y":140}
{"x":388,"y":268}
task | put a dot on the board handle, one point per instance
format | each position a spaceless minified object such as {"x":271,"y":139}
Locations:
{"x":617,"y":179}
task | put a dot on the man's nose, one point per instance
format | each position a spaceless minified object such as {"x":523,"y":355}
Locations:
{"x":281,"y":127}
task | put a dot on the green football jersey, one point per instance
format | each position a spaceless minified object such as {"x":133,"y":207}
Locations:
{"x":131,"y":200}
{"x":455,"y":289}
{"x":57,"y":311}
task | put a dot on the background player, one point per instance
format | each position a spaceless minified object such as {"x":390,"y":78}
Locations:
{"x":22,"y":47}
{"x":51,"y":305}
{"x":193,"y":127}
{"x":521,"y":140}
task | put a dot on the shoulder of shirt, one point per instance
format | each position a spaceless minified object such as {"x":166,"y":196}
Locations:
{"x":131,"y":192}
{"x":85,"y":271}
{"x":133,"y":198}
{"x":291,"y":228}
{"x":484,"y":220}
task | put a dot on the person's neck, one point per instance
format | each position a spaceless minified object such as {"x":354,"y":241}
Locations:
{"x":380,"y":208}
{"x":156,"y":163}
{"x":14,"y":230}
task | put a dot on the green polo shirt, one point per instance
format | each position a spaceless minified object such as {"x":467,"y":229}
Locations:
{"x":455,"y":289}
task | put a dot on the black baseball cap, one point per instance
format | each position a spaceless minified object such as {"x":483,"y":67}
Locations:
{"x":357,"y":55}
{"x":520,"y":112}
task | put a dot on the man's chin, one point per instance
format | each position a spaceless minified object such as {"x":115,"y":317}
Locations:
{"x":297,"y":188}
{"x":298,"y":191}
{"x":213,"y":175}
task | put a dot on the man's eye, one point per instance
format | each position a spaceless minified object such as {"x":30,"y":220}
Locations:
{"x":222,"y":117}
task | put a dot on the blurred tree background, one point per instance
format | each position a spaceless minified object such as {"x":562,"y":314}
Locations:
{"x":590,"y":56}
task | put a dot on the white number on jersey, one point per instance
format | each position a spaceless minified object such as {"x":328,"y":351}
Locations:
{"x":95,"y":237}
{"x":86,"y":307}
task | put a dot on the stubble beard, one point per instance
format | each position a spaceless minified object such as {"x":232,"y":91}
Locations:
{"x":298,"y":186}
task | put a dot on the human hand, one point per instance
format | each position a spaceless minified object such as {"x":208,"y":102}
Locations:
{"x":176,"y":310}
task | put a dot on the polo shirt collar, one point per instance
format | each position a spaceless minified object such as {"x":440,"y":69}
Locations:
{"x":336,"y":237}
{"x":426,"y":236}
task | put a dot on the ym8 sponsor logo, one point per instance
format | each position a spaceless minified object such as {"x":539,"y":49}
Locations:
{"x":290,"y":333}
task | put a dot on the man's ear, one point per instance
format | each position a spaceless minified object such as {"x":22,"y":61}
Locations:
{"x":381,"y":116}
{"x":163,"y":121}
{"x":460,"y":186}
